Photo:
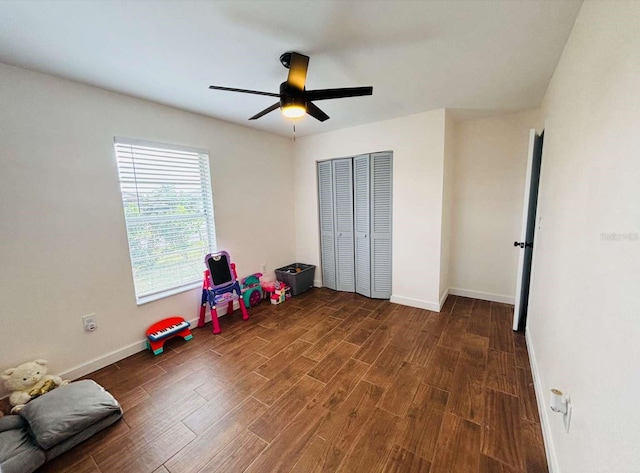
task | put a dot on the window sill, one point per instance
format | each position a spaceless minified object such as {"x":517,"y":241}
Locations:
{"x":171,"y":292}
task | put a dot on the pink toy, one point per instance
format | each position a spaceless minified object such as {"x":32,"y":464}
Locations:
{"x":220,"y":286}
{"x":281,"y":293}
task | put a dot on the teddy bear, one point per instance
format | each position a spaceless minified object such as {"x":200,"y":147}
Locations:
{"x":28,"y":381}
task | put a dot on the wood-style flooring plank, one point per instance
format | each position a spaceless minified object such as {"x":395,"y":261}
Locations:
{"x":278,"y":343}
{"x":340,"y":386}
{"x":420,"y":429}
{"x":269,"y":369}
{"x":440,"y":368}
{"x":522,"y":356}
{"x":363,"y":331}
{"x":399,"y":394}
{"x":283,"y":410}
{"x":372,"y":347}
{"x":527,"y":396}
{"x":283,"y":452}
{"x":466,"y":399}
{"x":404,"y":461}
{"x":327,"y":343}
{"x":373,"y":446}
{"x":502,"y":435}
{"x":385,"y":367}
{"x":212,"y":441}
{"x":131,"y":454}
{"x":535,"y":458}
{"x":501,"y":336}
{"x":480,"y":319}
{"x":501,"y":372}
{"x":491,"y":465}
{"x":321,"y":329}
{"x":422,"y":349}
{"x":458,"y":448}
{"x":284,"y":380}
{"x":201,"y":419}
{"x":331,"y":364}
{"x":237,"y":455}
{"x":453,"y":334}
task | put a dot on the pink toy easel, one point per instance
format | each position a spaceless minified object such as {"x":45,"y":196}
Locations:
{"x":220,"y":285}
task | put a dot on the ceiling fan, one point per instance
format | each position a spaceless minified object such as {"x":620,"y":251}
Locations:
{"x":295,"y":100}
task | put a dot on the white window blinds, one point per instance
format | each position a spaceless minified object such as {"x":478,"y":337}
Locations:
{"x":166,"y":193}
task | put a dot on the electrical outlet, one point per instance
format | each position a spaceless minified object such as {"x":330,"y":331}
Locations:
{"x":263,"y":268}
{"x":566,"y":418}
{"x":90,"y":322}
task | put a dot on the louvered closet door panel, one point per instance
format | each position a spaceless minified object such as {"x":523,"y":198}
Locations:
{"x":381,"y":221}
{"x":362,"y":227}
{"x":327,"y":234}
{"x":343,"y":223}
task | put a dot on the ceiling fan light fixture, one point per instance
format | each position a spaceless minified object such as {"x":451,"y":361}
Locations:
{"x":293,"y":110}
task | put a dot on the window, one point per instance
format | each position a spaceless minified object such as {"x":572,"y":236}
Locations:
{"x":166,"y":193}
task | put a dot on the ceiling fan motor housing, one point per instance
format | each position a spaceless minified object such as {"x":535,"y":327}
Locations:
{"x":291,"y":96}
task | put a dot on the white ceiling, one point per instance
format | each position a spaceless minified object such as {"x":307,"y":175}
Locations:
{"x":417,"y":55}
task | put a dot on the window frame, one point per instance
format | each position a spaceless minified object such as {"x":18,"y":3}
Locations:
{"x":207,"y":201}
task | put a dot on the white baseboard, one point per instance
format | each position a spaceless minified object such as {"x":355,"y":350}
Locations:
{"x":485,"y":296}
{"x":117,"y":355}
{"x":420,"y":304}
{"x":100,"y":362}
{"x":552,"y":460}
{"x":443,"y":299}
{"x":317,"y":283}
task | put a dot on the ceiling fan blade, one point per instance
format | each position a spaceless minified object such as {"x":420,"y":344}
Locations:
{"x":316,"y":113}
{"x":324,"y":94}
{"x":244,"y":91}
{"x":275,"y":106}
{"x":298,"y":70}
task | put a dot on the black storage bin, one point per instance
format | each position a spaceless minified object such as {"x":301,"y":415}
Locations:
{"x":298,"y":276}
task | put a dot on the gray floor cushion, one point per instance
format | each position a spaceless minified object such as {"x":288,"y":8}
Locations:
{"x":17,"y":451}
{"x":67,"y":411}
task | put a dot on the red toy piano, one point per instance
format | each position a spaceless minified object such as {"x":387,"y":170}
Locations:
{"x":162,"y":331}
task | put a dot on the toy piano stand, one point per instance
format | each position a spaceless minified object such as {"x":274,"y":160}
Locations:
{"x":220,"y":286}
{"x":162,"y":331}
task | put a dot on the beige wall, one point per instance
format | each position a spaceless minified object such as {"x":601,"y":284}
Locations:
{"x":488,"y":180}
{"x":584,"y":325}
{"x":63,"y":244}
{"x":448,"y":185}
{"x":417,"y":142}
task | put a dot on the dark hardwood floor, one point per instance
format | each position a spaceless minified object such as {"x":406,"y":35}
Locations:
{"x":327,"y":381}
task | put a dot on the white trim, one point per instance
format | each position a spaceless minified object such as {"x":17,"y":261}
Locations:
{"x":443,"y":299}
{"x":98,"y":363}
{"x":420,"y":304}
{"x":121,"y":140}
{"x":485,"y":296}
{"x":169,"y":292}
{"x":317,"y":283}
{"x":552,"y":460}
{"x":141,"y":345}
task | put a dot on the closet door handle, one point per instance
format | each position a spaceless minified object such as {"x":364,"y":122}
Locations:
{"x":340,"y":234}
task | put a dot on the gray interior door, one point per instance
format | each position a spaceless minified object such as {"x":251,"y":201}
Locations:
{"x":532,"y":182}
{"x":361,"y":182}
{"x":381,"y":222}
{"x":343,"y":223}
{"x":327,"y":233}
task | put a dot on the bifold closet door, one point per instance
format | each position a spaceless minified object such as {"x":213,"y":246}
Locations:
{"x":361,"y":184}
{"x":343,"y":223}
{"x":327,"y":233}
{"x":381,"y":221}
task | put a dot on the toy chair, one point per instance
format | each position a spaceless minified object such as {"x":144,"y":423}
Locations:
{"x":220,"y":285}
